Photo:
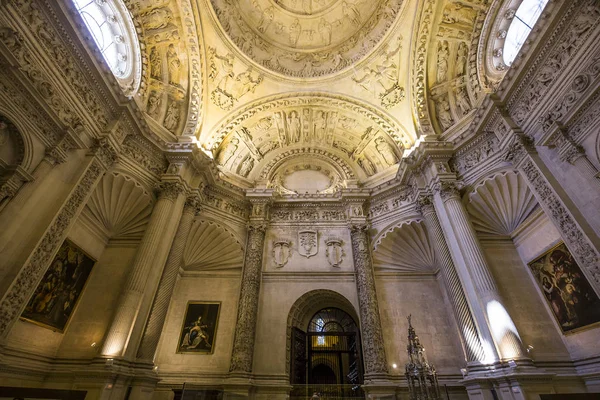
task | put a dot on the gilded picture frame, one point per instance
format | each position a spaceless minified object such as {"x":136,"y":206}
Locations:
{"x":199,"y":327}
{"x":572,"y":301}
{"x":56,"y":297}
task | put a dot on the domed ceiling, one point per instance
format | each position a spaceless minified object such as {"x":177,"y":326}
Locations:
{"x":306,"y":38}
{"x":336,"y":90}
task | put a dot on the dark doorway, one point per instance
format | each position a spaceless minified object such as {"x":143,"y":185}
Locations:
{"x":326,"y":359}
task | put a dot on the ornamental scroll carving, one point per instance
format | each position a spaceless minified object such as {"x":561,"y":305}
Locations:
{"x":373,"y":348}
{"x":36,"y":265}
{"x":245,"y":329}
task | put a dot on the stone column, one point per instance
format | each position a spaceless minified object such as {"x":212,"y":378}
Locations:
{"x":26,"y":281}
{"x":158,"y":313}
{"x":245,"y":327}
{"x":579,"y":237}
{"x":471,"y":338}
{"x":370,"y":323}
{"x":503,"y":330}
{"x":151,"y":255}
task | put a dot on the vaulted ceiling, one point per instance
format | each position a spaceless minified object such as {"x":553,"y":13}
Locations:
{"x":343,"y":88}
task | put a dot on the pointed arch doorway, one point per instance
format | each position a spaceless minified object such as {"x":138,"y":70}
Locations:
{"x":324,"y":347}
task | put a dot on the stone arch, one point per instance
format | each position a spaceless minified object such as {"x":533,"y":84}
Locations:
{"x":16,"y":152}
{"x":307,"y":305}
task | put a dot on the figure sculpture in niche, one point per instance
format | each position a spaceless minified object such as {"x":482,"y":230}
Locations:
{"x":172,"y":117}
{"x":366,"y":165}
{"x":155,"y":64}
{"x":246,"y":166}
{"x":325,"y":30}
{"x":294,"y":127}
{"x":461,"y":59}
{"x":174,"y":65}
{"x":443,"y":113}
{"x":295,"y":31}
{"x":226,"y":153}
{"x":154,"y":102}
{"x":462,"y":100}
{"x":442,"y":61}
{"x":320,"y":125}
{"x":386,"y":151}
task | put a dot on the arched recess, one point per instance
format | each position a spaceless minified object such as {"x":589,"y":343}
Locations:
{"x":212,"y":247}
{"x":307,"y":306}
{"x":15,"y":158}
{"x":405,"y":248}
{"x":119,"y":207}
{"x":500,"y":203}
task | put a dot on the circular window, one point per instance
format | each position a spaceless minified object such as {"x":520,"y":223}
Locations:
{"x":524,"y":19}
{"x":113,"y":32}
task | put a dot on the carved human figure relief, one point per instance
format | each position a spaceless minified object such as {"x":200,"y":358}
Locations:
{"x":325,"y":30}
{"x":366,"y":165}
{"x":386,"y":151}
{"x":246,"y":166}
{"x":154,"y":102}
{"x":280,"y":124}
{"x":462,"y":100}
{"x":174,"y":65}
{"x":308,"y":243}
{"x":266,"y":19}
{"x":334,"y":252}
{"x":226,"y":154}
{"x":442,"y":61}
{"x":457,"y":13}
{"x":319,"y":126}
{"x":351,"y":13}
{"x":281,"y":252}
{"x":294,"y":127}
{"x":157,"y":18}
{"x":155,"y":64}
{"x":172,"y":117}
{"x":306,"y":125}
{"x":461,"y":59}
{"x":442,"y":107}
{"x":295,"y":30}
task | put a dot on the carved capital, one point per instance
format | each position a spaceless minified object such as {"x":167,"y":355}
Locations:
{"x":169,"y":190}
{"x":519,"y":149}
{"x":105,"y":152}
{"x":571,"y":152}
{"x":193,"y":205}
{"x":448,"y":190}
{"x":424,"y":205}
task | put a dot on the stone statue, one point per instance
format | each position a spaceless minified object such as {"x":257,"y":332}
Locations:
{"x":325,"y":30}
{"x":266,"y":19}
{"x":154,"y":102}
{"x":462,"y":100}
{"x":295,"y":31}
{"x":442,"y":62}
{"x":366,"y":165}
{"x":246,"y":166}
{"x":350,"y":12}
{"x":174,"y":65}
{"x":386,"y":151}
{"x":443,"y":113}
{"x":294,"y":127}
{"x":320,"y":125}
{"x":155,"y":64}
{"x":172,"y":117}
{"x":228,"y":152}
{"x":461,"y":59}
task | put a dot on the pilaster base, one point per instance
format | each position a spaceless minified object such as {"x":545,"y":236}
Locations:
{"x":380,"y":387}
{"x":515,"y":383}
{"x":239,"y":385}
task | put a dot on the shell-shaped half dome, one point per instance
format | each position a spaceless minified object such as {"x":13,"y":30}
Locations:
{"x":500,"y":204}
{"x":405,"y":249}
{"x":212,"y":247}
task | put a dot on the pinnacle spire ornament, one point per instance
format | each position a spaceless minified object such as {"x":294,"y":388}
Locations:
{"x":420,"y":375}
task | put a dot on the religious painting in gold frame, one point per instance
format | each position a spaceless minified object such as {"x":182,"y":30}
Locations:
{"x":570,"y":296}
{"x":55,"y":298}
{"x":199,"y":327}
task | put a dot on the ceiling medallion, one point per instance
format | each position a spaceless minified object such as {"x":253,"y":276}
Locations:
{"x":306,"y":38}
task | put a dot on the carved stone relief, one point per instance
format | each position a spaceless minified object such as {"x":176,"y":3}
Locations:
{"x":282,"y":251}
{"x":229,"y":85}
{"x":334,"y":251}
{"x":308,"y":243}
{"x":306,"y":38}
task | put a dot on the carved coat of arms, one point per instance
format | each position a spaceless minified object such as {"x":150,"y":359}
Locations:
{"x":334,"y":252}
{"x":308,"y":244}
{"x":281,"y":252}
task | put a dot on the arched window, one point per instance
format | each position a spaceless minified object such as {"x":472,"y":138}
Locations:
{"x":111,"y":27}
{"x":522,"y":23}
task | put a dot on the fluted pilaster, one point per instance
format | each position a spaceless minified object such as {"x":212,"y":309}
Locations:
{"x":158,"y":313}
{"x":147,"y":258}
{"x":245,"y":328}
{"x":471,"y":339}
{"x":370,"y":323}
{"x":501,"y":325}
